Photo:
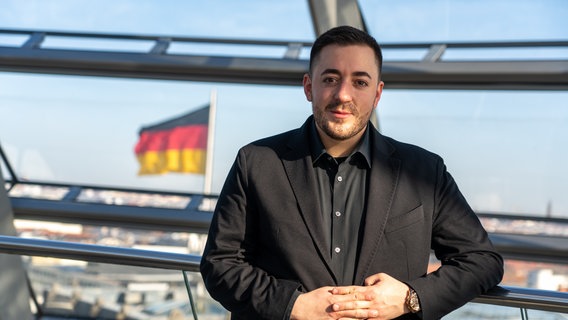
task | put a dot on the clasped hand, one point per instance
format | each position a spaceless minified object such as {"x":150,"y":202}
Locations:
{"x":382,"y":297}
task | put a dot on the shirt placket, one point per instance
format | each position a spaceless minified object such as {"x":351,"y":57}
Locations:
{"x":338,"y":213}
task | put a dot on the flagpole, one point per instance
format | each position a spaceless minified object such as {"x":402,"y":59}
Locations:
{"x":210,"y":143}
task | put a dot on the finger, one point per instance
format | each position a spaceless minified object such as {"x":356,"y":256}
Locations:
{"x":351,"y":305}
{"x":354,"y":297}
{"x":343,"y":290}
{"x":357,"y":314}
{"x":344,"y":298}
{"x":374,"y":279}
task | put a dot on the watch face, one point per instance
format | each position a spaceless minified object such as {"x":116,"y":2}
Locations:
{"x":413,"y":303}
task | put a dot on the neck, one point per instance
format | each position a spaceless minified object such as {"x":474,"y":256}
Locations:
{"x":339,"y":148}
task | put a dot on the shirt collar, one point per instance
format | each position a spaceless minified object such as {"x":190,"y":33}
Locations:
{"x":318,"y":150}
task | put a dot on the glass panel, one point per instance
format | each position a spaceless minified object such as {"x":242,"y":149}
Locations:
{"x":544,"y":315}
{"x":156,"y":240}
{"x":476,"y":311}
{"x":38,"y":192}
{"x":68,"y":288}
{"x":502,"y":147}
{"x":528,"y":227}
{"x":259,"y":51}
{"x":12,"y":40}
{"x":71,"y":288}
{"x":54,"y":42}
{"x":527,"y":274}
{"x":404,"y":54}
{"x":89,"y":137}
{"x":536,"y":275}
{"x":482,"y":20}
{"x":242,"y":19}
{"x":133,"y":199}
{"x":506,"y":54}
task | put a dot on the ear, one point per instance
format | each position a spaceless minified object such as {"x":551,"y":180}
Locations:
{"x":307,"y":82}
{"x":378,"y":94}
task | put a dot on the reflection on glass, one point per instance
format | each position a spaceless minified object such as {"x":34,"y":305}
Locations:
{"x":133,"y":199}
{"x":476,"y":311}
{"x":38,"y":192}
{"x":70,"y":288}
{"x":78,"y":43}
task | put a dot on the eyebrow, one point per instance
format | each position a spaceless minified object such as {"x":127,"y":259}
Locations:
{"x":356,"y":73}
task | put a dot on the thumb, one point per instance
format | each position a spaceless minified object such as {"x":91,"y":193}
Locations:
{"x":374,"y":279}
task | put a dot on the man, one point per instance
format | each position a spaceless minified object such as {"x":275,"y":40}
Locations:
{"x":336,"y":221}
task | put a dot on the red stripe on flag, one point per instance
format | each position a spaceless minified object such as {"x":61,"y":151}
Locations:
{"x":184,"y":137}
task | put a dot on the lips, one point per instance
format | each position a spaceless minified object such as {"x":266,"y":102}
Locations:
{"x":340,"y":114}
{"x":340,"y":111}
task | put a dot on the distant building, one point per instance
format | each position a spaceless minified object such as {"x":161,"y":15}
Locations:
{"x":546,"y":279}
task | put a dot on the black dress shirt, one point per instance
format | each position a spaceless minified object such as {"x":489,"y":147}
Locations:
{"x":342,"y":194}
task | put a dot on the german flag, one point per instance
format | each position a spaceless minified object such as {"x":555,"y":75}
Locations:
{"x":175,"y":145}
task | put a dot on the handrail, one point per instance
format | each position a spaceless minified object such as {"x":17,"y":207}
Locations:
{"x":502,"y":295}
{"x":98,"y":253}
{"x":552,"y":301}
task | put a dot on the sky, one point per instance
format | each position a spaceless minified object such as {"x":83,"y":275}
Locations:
{"x":505,"y":148}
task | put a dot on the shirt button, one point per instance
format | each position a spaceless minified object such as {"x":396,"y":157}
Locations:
{"x":340,"y":178}
{"x":337,"y":249}
{"x":338,"y":214}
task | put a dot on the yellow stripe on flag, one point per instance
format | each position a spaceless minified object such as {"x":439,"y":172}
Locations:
{"x":183,"y":161}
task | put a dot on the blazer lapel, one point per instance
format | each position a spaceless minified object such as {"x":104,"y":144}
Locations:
{"x":297,"y":163}
{"x":381,"y":189}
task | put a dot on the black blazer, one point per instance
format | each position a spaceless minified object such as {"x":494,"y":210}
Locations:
{"x":266,"y":237}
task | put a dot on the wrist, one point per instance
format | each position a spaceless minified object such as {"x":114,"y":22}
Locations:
{"x":296,"y":312}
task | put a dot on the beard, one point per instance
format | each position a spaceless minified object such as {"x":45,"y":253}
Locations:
{"x":341,"y":129}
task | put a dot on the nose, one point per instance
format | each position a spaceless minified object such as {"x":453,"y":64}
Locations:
{"x":344,"y":91}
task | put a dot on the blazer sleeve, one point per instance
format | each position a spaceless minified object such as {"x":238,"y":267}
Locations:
{"x":470,"y":264}
{"x":227,"y":265}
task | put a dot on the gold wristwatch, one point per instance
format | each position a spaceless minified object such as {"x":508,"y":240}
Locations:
{"x":412,"y":301}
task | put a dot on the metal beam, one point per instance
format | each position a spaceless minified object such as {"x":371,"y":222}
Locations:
{"x":489,"y":75}
{"x":327,"y":14}
{"x":431,"y":71}
{"x":486,"y":75}
{"x":148,"y":218}
{"x":153,"y":66}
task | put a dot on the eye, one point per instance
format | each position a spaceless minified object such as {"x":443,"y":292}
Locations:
{"x":361,"y":83}
{"x":330,"y":80}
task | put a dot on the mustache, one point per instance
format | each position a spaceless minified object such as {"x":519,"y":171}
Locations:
{"x":341,"y":106}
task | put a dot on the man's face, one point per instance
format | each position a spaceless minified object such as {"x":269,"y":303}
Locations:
{"x":344,"y":89}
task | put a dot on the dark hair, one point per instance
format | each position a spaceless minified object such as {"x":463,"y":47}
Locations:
{"x":343,"y":36}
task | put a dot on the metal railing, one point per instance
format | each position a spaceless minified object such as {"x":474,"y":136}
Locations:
{"x":522,"y":298}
